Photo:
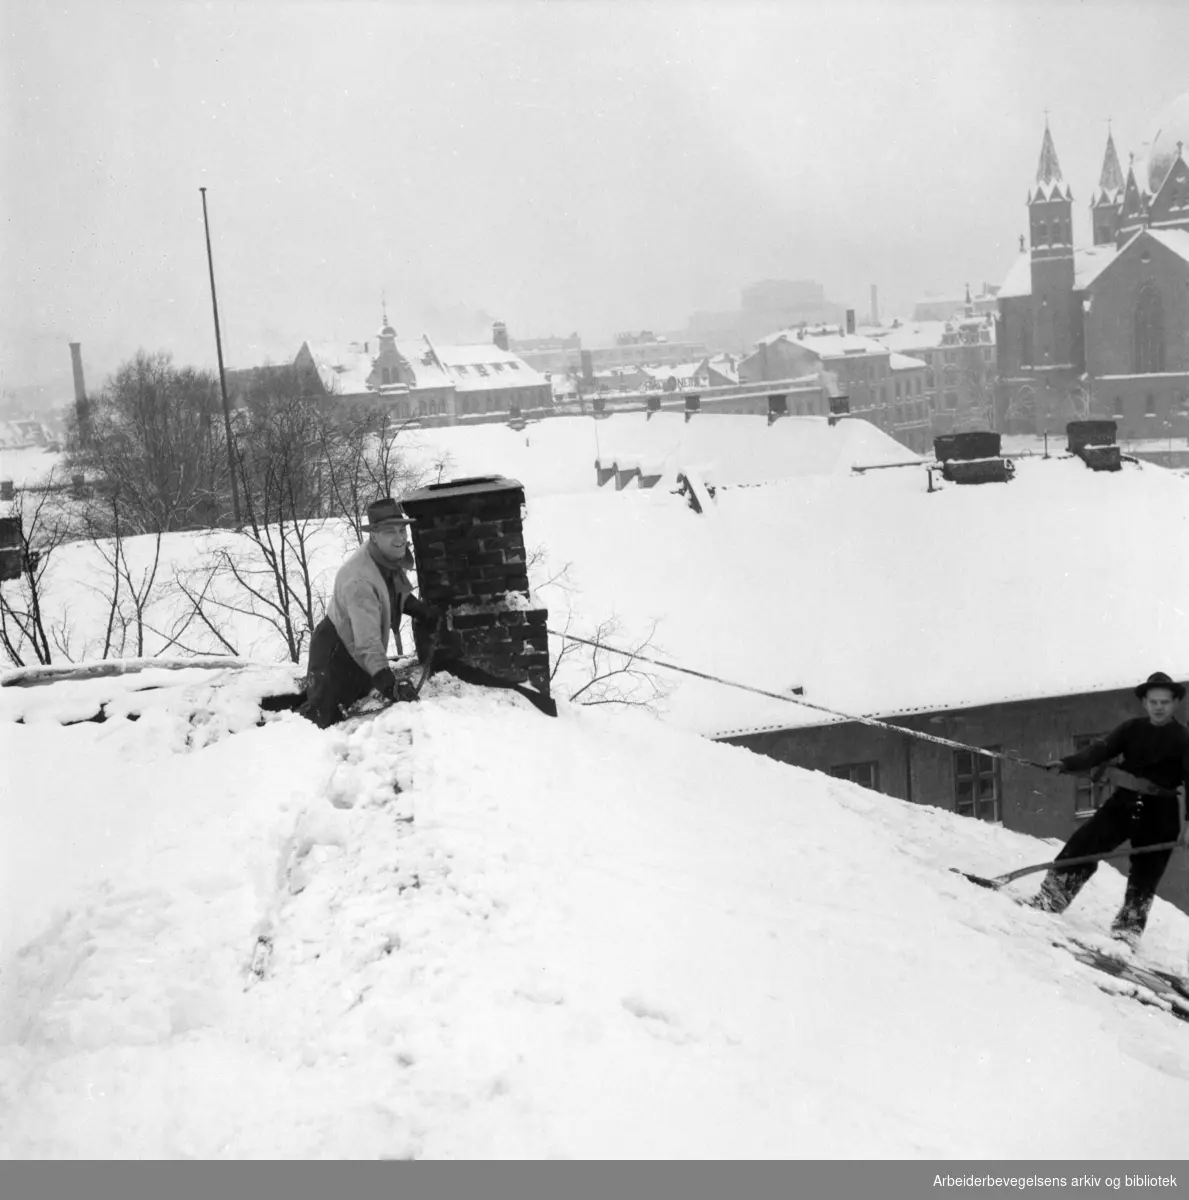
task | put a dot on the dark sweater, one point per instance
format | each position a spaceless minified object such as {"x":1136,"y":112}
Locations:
{"x":1158,"y":753}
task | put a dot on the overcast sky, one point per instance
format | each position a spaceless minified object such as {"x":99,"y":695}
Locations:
{"x":562,"y":166}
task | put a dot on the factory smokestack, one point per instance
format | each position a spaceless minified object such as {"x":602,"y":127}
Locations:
{"x":81,"y":407}
{"x":874,"y":305}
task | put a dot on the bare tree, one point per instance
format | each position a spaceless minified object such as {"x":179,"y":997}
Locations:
{"x":596,"y":674}
{"x":363,"y":459}
{"x":155,"y":442}
{"x":609,"y":674}
{"x":43,"y":527}
{"x":1021,"y":404}
{"x":128,"y":592}
{"x":278,"y":462}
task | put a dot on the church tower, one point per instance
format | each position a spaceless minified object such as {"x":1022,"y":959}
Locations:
{"x":389,"y":367}
{"x":1050,"y":222}
{"x":1169,"y":208}
{"x":1133,"y":209}
{"x":1107,"y":200}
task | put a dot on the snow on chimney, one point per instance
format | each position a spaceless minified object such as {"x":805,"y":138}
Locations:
{"x":499,"y":335}
{"x":468,"y":541}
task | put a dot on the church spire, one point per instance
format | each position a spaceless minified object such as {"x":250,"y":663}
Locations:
{"x":1049,"y":179}
{"x":1133,"y":207}
{"x":1107,"y":200}
{"x":1110,"y":182}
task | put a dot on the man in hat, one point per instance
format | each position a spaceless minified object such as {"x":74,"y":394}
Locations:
{"x":349,"y":649}
{"x":1146,"y":807}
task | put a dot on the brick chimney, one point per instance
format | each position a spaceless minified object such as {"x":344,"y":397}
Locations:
{"x":499,"y":335}
{"x":468,"y":541}
{"x":81,"y":406}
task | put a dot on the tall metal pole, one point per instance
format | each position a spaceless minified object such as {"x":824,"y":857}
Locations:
{"x":222,"y":380}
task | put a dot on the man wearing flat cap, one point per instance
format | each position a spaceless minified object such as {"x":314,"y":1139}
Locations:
{"x":1146,"y":808}
{"x":349,"y":649}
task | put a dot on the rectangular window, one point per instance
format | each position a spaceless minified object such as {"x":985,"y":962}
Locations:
{"x":1087,"y":795}
{"x":1150,"y":405}
{"x":1118,"y":407}
{"x":976,"y":785}
{"x":865,"y":774}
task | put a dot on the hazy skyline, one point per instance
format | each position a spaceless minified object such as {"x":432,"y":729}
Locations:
{"x":560,"y":166}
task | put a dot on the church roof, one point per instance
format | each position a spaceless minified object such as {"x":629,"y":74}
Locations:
{"x":1087,"y":263}
{"x":1176,"y":240}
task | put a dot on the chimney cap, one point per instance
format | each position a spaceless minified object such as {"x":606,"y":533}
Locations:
{"x":424,"y":499}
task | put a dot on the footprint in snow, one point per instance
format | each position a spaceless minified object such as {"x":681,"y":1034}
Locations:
{"x":659,"y":1023}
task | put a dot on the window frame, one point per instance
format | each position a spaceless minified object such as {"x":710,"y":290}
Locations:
{"x":974,"y":777}
{"x":850,"y":770}
{"x":1083,"y":784}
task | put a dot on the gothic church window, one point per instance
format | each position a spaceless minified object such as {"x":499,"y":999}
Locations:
{"x":1149,"y":332}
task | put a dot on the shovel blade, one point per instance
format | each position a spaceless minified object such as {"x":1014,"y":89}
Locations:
{"x":993,"y":884}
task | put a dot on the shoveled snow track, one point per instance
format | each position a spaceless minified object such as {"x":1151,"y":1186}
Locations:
{"x":1121,"y":976}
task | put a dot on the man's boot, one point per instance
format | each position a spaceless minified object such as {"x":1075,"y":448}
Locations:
{"x":1057,"y":891}
{"x":1131,"y":919}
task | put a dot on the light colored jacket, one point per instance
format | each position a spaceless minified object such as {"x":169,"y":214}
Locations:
{"x":361,"y":611}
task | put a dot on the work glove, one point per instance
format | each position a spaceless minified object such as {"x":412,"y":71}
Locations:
{"x":385,"y":683}
{"x":397,"y":690}
{"x":419,"y":610}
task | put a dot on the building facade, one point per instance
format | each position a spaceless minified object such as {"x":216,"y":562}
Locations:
{"x":889,"y":394}
{"x":421,"y":379}
{"x":975,"y":785}
{"x":1100,"y":330}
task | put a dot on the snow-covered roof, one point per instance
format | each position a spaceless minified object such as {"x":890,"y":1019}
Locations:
{"x":1088,"y":263}
{"x":728,"y":450}
{"x":726,"y":366}
{"x":228,"y":934}
{"x":939,"y":642}
{"x":344,"y":369}
{"x":913,"y":335}
{"x":832,"y":344}
{"x":1176,"y":240}
{"x":905,"y":362}
{"x":677,"y":371}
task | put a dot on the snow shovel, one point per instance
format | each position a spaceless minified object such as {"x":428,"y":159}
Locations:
{"x":999,"y":880}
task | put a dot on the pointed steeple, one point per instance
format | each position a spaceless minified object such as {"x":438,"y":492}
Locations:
{"x":1110,"y":182}
{"x":1107,"y":200}
{"x":1133,"y":207}
{"x":1050,"y":183}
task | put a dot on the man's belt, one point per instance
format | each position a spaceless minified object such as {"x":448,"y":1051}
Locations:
{"x":1132,"y":783}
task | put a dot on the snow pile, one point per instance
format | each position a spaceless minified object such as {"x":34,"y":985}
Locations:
{"x":483,"y":933}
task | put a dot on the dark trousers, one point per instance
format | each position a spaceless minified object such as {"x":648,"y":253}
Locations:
{"x":334,"y":680}
{"x":1126,"y":816}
